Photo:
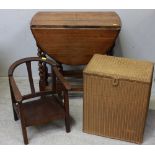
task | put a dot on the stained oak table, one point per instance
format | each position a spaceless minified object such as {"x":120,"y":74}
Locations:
{"x":72,"y":38}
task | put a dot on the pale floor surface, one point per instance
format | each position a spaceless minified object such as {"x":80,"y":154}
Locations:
{"x":54,"y":133}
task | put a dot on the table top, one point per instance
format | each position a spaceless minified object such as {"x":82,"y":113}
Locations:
{"x":72,"y":38}
{"x":76,"y":20}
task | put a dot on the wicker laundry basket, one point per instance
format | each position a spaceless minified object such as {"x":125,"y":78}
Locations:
{"x":116,"y":97}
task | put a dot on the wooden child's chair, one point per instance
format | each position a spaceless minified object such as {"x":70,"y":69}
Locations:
{"x":45,"y":109}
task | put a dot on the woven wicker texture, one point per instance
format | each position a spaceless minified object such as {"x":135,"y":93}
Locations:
{"x":117,"y":67}
{"x":116,"y":110}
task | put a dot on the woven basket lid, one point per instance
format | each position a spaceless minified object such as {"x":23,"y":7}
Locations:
{"x":120,"y":68}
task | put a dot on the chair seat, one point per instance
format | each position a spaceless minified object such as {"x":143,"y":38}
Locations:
{"x":42,"y":110}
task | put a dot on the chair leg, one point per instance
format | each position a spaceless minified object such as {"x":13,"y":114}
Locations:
{"x":13,"y":103}
{"x":15,"y":114}
{"x":67,"y":123}
{"x":24,"y":133}
{"x":67,"y":117}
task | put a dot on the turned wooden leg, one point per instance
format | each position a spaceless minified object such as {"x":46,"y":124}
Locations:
{"x":53,"y":76}
{"x":43,"y":71}
{"x":46,"y":73}
{"x":42,"y":83}
{"x":60,"y":92}
{"x":67,"y":117}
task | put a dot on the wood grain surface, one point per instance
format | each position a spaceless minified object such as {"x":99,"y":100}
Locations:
{"x":76,"y":19}
{"x":74,"y":37}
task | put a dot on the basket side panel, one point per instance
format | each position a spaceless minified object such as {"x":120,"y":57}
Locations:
{"x":115,"y":111}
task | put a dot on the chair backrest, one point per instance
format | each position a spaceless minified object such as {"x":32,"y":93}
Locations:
{"x":28,"y":61}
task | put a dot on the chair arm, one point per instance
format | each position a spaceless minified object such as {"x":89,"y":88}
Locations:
{"x":16,"y":92}
{"x":64,"y":82}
